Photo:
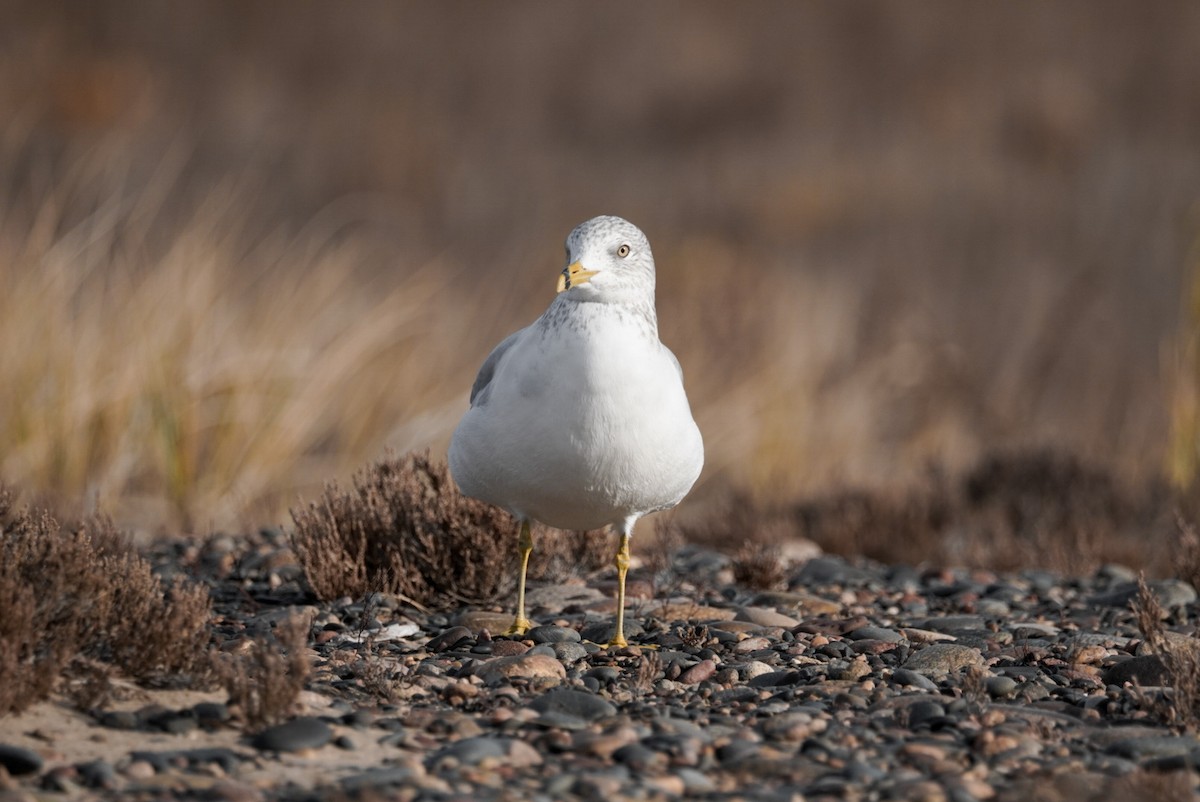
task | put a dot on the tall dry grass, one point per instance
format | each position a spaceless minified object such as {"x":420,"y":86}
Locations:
{"x":858,"y":275}
{"x":1183,"y":372}
{"x":194,"y":379}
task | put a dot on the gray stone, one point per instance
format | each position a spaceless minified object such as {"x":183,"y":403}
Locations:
{"x":294,"y":735}
{"x":765,"y":617}
{"x":1147,"y":669}
{"x":924,"y":712}
{"x":211,"y":714}
{"x":910,"y":678}
{"x":876,"y":633}
{"x":472,"y":751}
{"x":98,"y":774}
{"x":448,"y":638}
{"x":581,"y":704}
{"x":1153,"y":746}
{"x":942,"y":658}
{"x":1000,"y":687}
{"x":18,"y":760}
{"x":380,"y":778}
{"x":830,"y":571}
{"x":569,"y":652}
{"x":1169,"y":592}
{"x":553,"y":634}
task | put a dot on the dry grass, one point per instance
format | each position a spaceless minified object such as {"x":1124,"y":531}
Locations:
{"x":1184,"y":379}
{"x":217,"y":299}
{"x":265,"y":684}
{"x":1012,"y":510}
{"x":1180,"y":706}
{"x":405,"y":528}
{"x":199,"y":383}
{"x":759,"y":566}
{"x":83,"y":597}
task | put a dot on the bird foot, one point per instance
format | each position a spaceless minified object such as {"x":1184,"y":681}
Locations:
{"x":519,"y":626}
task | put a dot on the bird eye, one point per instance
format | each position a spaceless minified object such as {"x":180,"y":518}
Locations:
{"x":623,"y":251}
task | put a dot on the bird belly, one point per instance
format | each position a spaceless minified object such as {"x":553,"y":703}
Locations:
{"x":591,"y":441}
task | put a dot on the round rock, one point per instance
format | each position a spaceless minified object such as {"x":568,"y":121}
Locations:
{"x":553,"y":634}
{"x":18,"y":760}
{"x":942,"y":658}
{"x":530,"y":666}
{"x":580,"y":704}
{"x":294,"y":735}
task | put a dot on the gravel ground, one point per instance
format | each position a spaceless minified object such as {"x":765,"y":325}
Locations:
{"x":859,"y":681}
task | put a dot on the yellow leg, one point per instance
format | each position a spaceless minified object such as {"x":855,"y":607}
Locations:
{"x":521,"y":624}
{"x":622,"y":562}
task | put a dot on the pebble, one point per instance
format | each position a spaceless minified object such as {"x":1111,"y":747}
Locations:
{"x":1000,"y":687}
{"x":553,"y":634}
{"x":569,"y":652}
{"x":1169,"y":592}
{"x":529,"y":666}
{"x":909,"y":678}
{"x":570,"y":702}
{"x":448,"y":639}
{"x":942,"y":658}
{"x":875,"y":633}
{"x":698,"y":673}
{"x":765,"y":617}
{"x":17,"y":760}
{"x":865,"y":698}
{"x":294,"y":735}
{"x":487,"y":750}
{"x":1146,"y":670}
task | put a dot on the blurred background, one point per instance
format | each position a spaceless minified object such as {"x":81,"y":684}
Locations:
{"x":245,"y":248}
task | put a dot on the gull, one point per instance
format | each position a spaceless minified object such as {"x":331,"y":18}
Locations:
{"x":580,"y":421}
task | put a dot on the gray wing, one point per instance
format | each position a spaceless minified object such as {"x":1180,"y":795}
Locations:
{"x":479,"y":390}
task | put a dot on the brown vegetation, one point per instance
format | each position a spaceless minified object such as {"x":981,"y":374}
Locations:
{"x":404,"y":527}
{"x":225,"y":281}
{"x":1179,"y":705}
{"x":265,"y":683}
{"x":83,"y":598}
{"x":1012,"y":510}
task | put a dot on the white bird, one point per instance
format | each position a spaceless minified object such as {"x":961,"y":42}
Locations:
{"x":580,"y":420}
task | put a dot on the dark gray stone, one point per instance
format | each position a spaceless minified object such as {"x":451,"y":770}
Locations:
{"x":1000,"y":687}
{"x":583,"y":705}
{"x":910,"y":678}
{"x":98,"y":774}
{"x":471,"y":751}
{"x":876,"y":633}
{"x":924,"y":713}
{"x":1169,"y":592}
{"x":1147,"y":670}
{"x":449,"y":639}
{"x":211,"y":714}
{"x":553,"y":634}
{"x":569,"y":651}
{"x":1154,"y":746}
{"x":120,"y":720}
{"x":18,"y":760}
{"x":294,"y":735}
{"x":380,"y":778}
{"x":942,"y":658}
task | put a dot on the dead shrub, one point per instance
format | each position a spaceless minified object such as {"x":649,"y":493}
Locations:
{"x":1039,"y":508}
{"x":264,"y":684}
{"x":85,"y":596}
{"x":1180,"y":656}
{"x":1187,"y":552}
{"x":405,"y":528}
{"x":759,"y":566}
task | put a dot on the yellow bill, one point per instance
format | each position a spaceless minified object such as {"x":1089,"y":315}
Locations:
{"x":573,"y":274}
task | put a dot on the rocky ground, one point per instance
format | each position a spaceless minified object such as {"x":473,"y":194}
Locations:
{"x":857,"y":681}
